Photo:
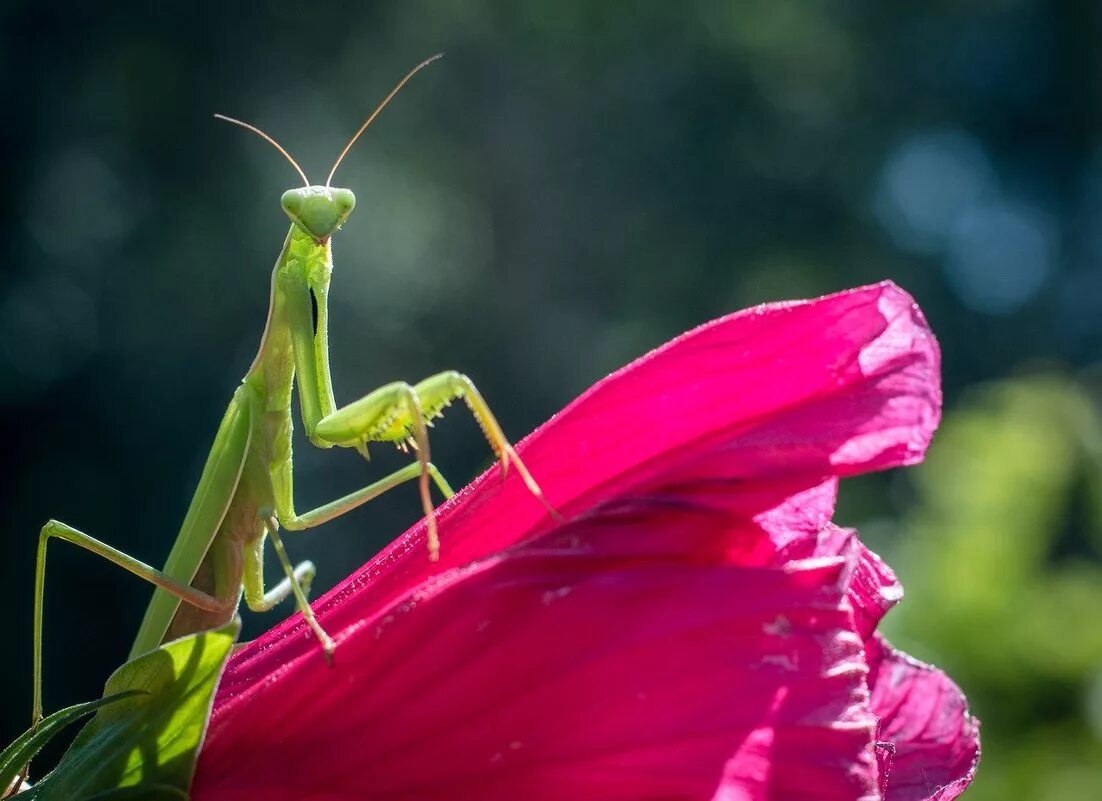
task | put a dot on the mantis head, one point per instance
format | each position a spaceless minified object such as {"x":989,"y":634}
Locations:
{"x":321,"y":210}
{"x":318,"y":210}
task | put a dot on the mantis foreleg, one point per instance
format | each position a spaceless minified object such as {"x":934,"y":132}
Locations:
{"x":355,"y":425}
{"x":389,"y":415}
{"x":437,"y":392}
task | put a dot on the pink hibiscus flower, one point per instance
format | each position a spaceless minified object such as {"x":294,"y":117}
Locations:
{"x":697,"y":628}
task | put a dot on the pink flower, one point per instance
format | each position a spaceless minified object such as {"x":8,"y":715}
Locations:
{"x":698,"y":629}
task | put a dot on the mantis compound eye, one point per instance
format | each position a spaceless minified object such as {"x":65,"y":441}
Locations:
{"x":345,"y":200}
{"x":292,"y":202}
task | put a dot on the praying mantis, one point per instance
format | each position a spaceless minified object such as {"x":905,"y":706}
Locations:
{"x":245,"y":494}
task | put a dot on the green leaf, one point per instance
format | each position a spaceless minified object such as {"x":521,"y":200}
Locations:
{"x":144,"y":792}
{"x":145,"y":746}
{"x":19,"y":754}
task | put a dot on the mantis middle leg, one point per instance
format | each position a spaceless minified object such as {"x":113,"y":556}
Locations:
{"x":297,"y":579}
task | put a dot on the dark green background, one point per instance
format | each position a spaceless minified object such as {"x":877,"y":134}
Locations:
{"x":573,"y":184}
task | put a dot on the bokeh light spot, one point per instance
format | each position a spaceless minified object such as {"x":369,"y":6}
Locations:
{"x":927,"y":183}
{"x":1000,"y":256}
{"x":48,"y":327}
{"x":79,"y":207}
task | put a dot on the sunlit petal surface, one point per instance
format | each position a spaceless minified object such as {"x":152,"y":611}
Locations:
{"x":696,"y":628}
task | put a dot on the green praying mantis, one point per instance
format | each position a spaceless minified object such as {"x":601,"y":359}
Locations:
{"x":245,"y":494}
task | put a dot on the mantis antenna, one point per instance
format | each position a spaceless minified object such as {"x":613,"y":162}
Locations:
{"x":269,"y":140}
{"x":375,"y":113}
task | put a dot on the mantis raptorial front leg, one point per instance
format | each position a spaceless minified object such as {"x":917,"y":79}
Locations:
{"x":400,"y":413}
{"x":437,"y":392}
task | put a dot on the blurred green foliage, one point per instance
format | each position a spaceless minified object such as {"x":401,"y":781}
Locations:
{"x":573,"y":184}
{"x":1002,"y":556}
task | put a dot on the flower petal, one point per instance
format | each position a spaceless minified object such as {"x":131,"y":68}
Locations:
{"x":572,"y":667}
{"x":873,"y":587}
{"x":779,"y":398}
{"x":933,"y":742}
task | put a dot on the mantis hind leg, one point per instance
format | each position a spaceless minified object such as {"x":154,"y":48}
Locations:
{"x":54,"y":529}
